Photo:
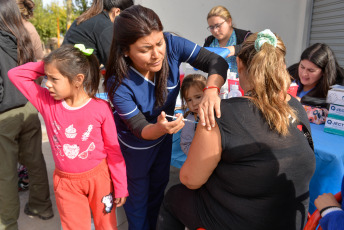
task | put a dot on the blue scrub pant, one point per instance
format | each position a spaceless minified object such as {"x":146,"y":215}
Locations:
{"x":148,"y":174}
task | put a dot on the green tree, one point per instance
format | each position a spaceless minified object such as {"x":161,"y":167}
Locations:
{"x":46,"y":19}
{"x":81,"y":6}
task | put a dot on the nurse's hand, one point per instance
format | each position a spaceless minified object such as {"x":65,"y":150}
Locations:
{"x":170,"y":127}
{"x":210,"y":101}
{"x":162,"y":126}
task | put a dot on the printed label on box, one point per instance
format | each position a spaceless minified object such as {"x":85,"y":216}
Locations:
{"x":336,"y":111}
{"x":334,"y":126}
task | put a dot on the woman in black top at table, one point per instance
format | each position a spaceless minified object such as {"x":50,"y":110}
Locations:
{"x":252,"y":171}
{"x":94,"y":28}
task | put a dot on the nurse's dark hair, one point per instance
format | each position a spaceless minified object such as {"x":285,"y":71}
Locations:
{"x":70,"y":62}
{"x":99,"y":5}
{"x":323,"y":57}
{"x":132,"y":24}
{"x":11,"y":22}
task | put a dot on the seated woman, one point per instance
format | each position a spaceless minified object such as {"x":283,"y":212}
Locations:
{"x":317,"y":70}
{"x":224,"y":34}
{"x":251,"y":171}
{"x":331,"y":211}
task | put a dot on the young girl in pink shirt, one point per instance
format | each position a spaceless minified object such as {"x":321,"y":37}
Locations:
{"x":90,"y":170}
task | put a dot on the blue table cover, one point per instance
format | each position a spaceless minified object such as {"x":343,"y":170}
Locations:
{"x":329,"y":155}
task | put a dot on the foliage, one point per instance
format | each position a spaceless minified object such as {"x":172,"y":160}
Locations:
{"x":81,"y":6}
{"x":47,"y":18}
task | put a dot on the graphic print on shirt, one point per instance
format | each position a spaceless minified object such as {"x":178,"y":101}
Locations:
{"x":90,"y":148}
{"x":57,"y":146}
{"x":71,"y":151}
{"x":87,"y":133}
{"x":56,"y":127}
{"x":70,"y":132}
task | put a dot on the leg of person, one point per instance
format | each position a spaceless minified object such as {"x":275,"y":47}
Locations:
{"x":159,"y":177}
{"x":71,"y":200}
{"x":30,"y":154}
{"x":10,"y":127}
{"x":101,"y":197}
{"x":179,"y":210}
{"x":138,"y":163}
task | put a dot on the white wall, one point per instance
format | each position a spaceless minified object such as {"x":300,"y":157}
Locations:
{"x":288,"y":18}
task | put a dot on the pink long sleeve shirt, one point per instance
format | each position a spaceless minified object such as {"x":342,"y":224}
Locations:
{"x":80,"y":137}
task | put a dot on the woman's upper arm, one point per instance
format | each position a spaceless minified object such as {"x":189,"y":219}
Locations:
{"x":204,"y":156}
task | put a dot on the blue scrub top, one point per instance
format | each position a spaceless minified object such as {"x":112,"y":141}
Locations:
{"x":302,"y":93}
{"x":136,"y":93}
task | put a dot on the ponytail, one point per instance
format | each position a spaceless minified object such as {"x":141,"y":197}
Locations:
{"x":270,"y":80}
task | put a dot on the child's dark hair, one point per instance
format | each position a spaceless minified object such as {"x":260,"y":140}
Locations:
{"x":197,"y":80}
{"x":70,"y":62}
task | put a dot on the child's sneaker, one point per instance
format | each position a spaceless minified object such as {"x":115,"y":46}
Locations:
{"x":28,"y":212}
{"x":22,"y":185}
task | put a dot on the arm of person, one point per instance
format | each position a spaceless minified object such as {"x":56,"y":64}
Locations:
{"x":330,"y":210}
{"x":333,"y":220}
{"x":120,"y":201}
{"x":204,"y":156}
{"x":138,"y":124}
{"x":23,"y":78}
{"x":232,"y":50}
{"x":115,"y":158}
{"x":217,"y":68}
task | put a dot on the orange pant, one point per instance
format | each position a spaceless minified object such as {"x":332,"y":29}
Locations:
{"x":76,"y":193}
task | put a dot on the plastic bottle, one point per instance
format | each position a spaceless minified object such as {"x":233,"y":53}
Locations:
{"x":224,"y":89}
{"x":235,"y":92}
{"x":224,"y":92}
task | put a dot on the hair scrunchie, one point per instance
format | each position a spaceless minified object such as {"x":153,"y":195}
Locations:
{"x":265,"y":36}
{"x":83,"y":49}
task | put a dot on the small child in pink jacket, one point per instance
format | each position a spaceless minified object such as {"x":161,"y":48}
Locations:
{"x":90,"y":170}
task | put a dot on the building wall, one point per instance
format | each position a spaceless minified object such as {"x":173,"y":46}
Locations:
{"x":289,"y":19}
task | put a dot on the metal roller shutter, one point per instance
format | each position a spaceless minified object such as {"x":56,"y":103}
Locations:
{"x":328,"y":26}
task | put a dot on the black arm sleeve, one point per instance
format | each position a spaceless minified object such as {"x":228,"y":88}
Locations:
{"x":136,"y":124}
{"x":210,"y":63}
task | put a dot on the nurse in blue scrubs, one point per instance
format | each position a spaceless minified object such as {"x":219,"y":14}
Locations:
{"x":142,"y":81}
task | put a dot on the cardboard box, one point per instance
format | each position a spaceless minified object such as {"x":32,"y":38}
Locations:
{"x":334,"y":126}
{"x":336,"y":95}
{"x":336,"y":112}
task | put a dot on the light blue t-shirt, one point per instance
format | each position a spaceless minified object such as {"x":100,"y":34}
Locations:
{"x":302,"y":93}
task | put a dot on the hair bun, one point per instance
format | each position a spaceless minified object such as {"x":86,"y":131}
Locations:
{"x":263,"y":37}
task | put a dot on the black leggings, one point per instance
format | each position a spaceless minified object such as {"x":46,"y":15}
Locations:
{"x":179,"y":210}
